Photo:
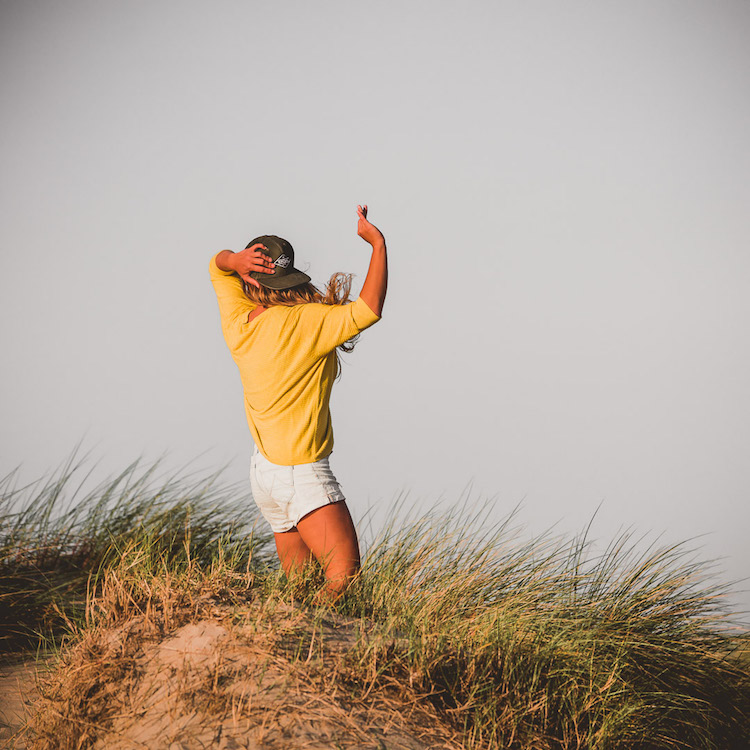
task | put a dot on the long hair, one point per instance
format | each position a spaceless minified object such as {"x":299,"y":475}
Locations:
{"x":338,"y":291}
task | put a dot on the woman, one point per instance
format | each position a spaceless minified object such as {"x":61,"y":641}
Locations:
{"x":283,"y":335}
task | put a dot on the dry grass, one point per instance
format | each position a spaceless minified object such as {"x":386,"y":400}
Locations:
{"x":199,"y":658}
{"x":458,"y":634}
{"x":57,"y":534}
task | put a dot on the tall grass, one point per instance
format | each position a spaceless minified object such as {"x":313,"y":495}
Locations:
{"x":543,"y":643}
{"x":61,"y":531}
{"x":520,"y":643}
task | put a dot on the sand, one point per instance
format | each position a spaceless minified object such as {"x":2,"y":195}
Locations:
{"x":238,"y":678}
{"x":18,"y":692}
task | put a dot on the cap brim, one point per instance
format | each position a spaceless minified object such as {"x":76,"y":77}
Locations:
{"x":283,"y":281}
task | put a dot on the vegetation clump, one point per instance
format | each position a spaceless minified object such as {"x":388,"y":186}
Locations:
{"x":171,"y":623}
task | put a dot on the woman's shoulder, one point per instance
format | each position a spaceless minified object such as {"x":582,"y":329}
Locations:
{"x":313,"y":308}
{"x":319,"y":310}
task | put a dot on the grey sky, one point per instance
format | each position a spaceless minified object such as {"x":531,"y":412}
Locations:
{"x":564,"y":188}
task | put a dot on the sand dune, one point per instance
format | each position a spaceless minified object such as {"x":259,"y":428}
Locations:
{"x":234,"y":679}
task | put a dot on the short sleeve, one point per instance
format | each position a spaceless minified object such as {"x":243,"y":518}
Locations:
{"x":233,"y":304}
{"x":332,"y":325}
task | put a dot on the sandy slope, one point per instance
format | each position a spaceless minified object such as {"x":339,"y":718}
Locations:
{"x":17,"y":691}
{"x":233,"y":679}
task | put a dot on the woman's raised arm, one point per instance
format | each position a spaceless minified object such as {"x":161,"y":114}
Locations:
{"x":376,"y":283}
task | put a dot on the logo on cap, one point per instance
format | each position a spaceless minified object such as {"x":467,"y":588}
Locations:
{"x":283,"y":261}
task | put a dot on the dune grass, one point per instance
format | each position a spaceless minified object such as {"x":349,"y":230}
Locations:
{"x":59,"y":533}
{"x":517,"y":642}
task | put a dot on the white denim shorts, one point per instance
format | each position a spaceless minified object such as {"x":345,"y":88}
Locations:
{"x":285,"y":494}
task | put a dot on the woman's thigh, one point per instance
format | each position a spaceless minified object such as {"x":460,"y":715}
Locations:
{"x":293,"y":553}
{"x":330,"y":535}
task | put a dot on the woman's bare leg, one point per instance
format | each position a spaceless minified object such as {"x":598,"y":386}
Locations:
{"x":330,"y":535}
{"x":293,"y":553}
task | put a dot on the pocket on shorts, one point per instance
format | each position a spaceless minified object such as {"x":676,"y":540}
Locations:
{"x":282,"y":486}
{"x":274,"y":483}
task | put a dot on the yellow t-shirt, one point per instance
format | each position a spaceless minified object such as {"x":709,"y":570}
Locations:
{"x":287,"y":362}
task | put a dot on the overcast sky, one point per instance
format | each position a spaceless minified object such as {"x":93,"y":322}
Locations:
{"x":564,"y":188}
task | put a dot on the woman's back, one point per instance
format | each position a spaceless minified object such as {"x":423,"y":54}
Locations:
{"x":287,"y":362}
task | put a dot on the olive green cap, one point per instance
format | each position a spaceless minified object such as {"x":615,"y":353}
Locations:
{"x":281,"y":252}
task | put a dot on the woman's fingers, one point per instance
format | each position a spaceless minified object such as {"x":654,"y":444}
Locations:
{"x":258,"y":261}
{"x":250,"y":280}
{"x":265,"y":263}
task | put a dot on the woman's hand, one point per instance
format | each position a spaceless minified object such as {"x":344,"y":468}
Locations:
{"x":247,"y":261}
{"x":368,"y":232}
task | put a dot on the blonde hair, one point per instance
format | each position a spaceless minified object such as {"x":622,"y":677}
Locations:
{"x":338,"y":291}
